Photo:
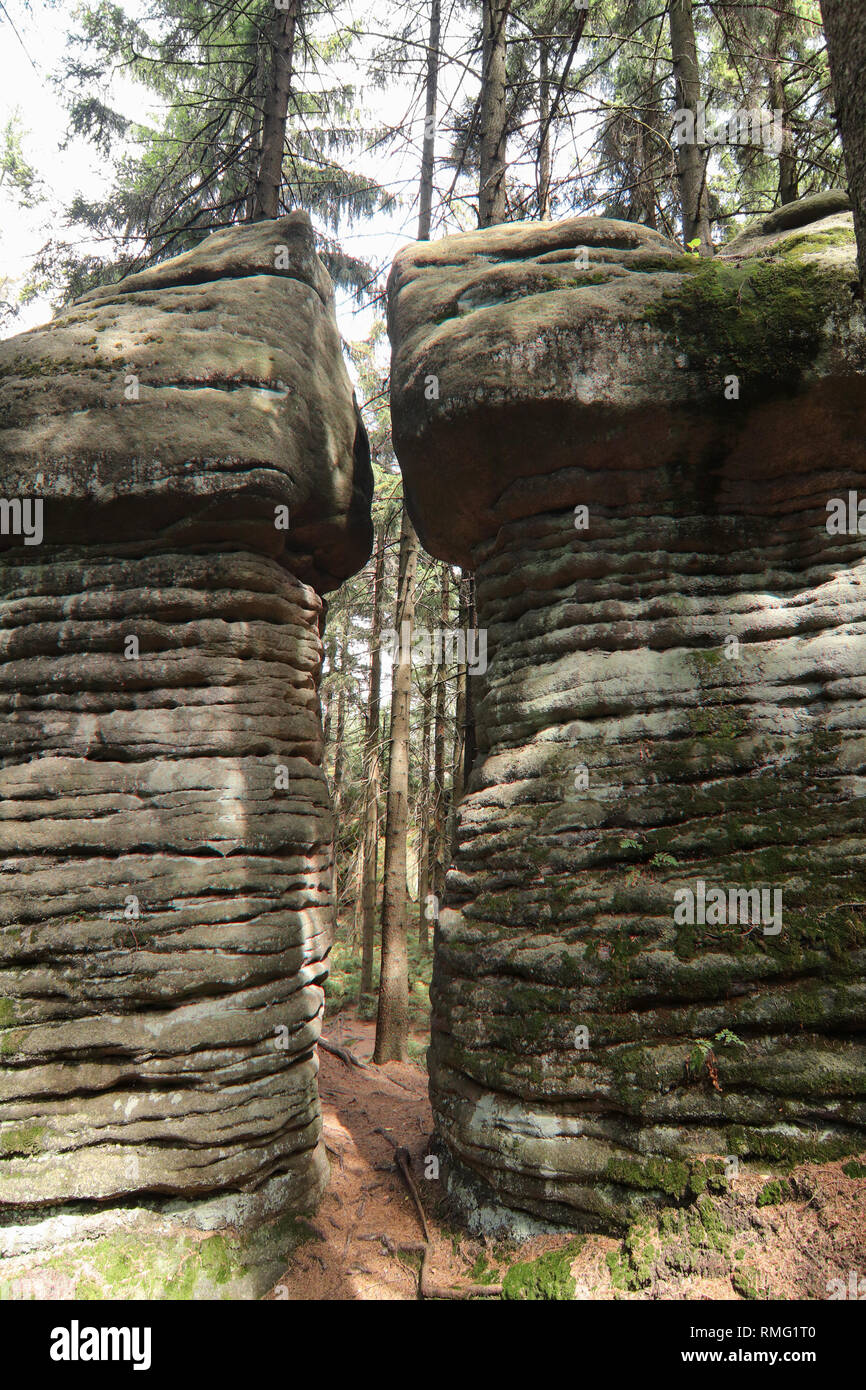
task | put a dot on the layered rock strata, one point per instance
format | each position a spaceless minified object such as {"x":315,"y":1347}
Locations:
{"x":165,"y":822}
{"x":644,"y":458}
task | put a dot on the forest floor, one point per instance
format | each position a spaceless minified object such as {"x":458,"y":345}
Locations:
{"x":768,"y":1237}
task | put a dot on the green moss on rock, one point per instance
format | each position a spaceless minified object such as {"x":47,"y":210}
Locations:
{"x":761,"y":320}
{"x":548,"y":1278}
{"x":668,"y":1175}
{"x":172,"y":1263}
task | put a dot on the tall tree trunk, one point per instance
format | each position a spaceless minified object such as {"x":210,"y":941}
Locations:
{"x":330,"y":646}
{"x":491,"y":191}
{"x":788,"y":183}
{"x":424,"y":223}
{"x":646,"y":190}
{"x":372,"y":773}
{"x":392,"y":1023}
{"x":425,"y":200}
{"x":845,"y":28}
{"x":438,"y":832}
{"x":424,"y":819}
{"x":255,"y":141}
{"x":691,"y":159}
{"x":282,"y":30}
{"x":358,"y":914}
{"x":543,"y":179}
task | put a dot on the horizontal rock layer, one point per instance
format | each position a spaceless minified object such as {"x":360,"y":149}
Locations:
{"x":743,"y":773}
{"x":163,"y":921}
{"x":592,"y":1050}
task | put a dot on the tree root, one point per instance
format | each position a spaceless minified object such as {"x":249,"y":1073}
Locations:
{"x":344,"y":1055}
{"x":427,"y":1289}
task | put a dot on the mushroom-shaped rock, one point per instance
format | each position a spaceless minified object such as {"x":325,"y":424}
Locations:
{"x":651,"y":960}
{"x":184,"y":474}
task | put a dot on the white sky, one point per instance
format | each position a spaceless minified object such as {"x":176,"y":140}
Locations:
{"x":26,"y":90}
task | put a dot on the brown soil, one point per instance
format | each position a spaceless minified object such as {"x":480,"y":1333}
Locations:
{"x":368,"y":1218}
{"x":367,"y":1214}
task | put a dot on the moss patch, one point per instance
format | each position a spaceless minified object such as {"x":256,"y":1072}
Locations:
{"x":746,"y":1284}
{"x":691,"y":1240}
{"x":482,"y":1272}
{"x":127,"y":1266}
{"x":667,"y":1175}
{"x":811,"y":243}
{"x":547,"y":1278}
{"x":762,"y":321}
{"x":772,"y":1194}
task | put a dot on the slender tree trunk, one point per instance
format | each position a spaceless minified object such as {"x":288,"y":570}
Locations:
{"x":845,"y":28}
{"x":424,"y":820}
{"x":788,"y":183}
{"x":437,"y":819}
{"x":491,"y":209}
{"x":372,"y":773}
{"x":647,"y":192}
{"x":425,"y":201}
{"x":282,"y":29}
{"x":255,"y":142}
{"x":424,"y":222}
{"x":358,"y":914}
{"x":543,"y":189}
{"x":330,"y":646}
{"x":326,"y":726}
{"x":392,"y":1023}
{"x":691,"y":159}
{"x":491,"y":191}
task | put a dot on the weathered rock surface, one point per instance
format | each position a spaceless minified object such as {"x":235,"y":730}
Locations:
{"x":704,"y":415}
{"x":164,"y":818}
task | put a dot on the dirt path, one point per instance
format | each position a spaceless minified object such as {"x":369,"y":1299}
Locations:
{"x":367,"y":1214}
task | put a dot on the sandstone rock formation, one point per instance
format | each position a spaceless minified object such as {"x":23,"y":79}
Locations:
{"x":165,"y":822}
{"x":635,"y":451}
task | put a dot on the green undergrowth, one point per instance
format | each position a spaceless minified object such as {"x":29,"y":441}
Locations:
{"x":343,"y":986}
